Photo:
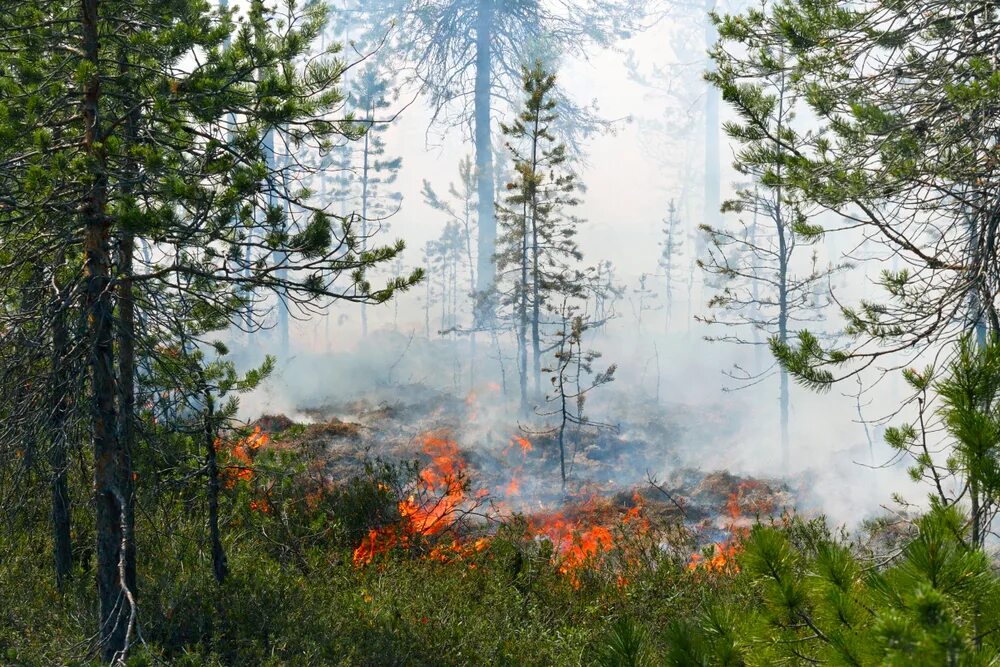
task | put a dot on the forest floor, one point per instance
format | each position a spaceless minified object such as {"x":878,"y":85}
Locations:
{"x":509,"y":469}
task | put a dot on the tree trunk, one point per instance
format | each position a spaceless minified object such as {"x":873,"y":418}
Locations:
{"x":785,"y":241}
{"x":536,"y":344}
{"x":713,"y":168}
{"x":522,"y":316}
{"x":364,"y":209}
{"x":220,"y":565}
{"x":110,"y":467}
{"x":277,"y":180}
{"x":58,"y":456}
{"x":126,"y":398}
{"x":126,"y":344}
{"x":482,"y":121}
{"x":783,"y":259}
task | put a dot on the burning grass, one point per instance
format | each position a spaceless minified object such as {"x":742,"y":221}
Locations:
{"x":470,"y":480}
{"x":444,"y":519}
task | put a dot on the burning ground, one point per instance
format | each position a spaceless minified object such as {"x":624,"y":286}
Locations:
{"x":470,"y":471}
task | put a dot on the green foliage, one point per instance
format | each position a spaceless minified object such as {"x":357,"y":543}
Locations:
{"x":293,"y":596}
{"x":928,"y":605}
{"x":624,"y":646}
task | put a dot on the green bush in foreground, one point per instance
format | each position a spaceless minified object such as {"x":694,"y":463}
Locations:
{"x":935,"y":602}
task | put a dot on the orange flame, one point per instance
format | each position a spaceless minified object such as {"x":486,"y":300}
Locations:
{"x":241,"y":452}
{"x":579,"y":539}
{"x":723,"y":557}
{"x":430,"y":510}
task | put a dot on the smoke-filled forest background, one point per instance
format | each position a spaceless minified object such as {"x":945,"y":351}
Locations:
{"x":419,"y":332}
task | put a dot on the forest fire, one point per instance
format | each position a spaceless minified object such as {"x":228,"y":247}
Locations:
{"x":579,"y":533}
{"x":241,"y":452}
{"x":432,"y":508}
{"x":722,"y":559}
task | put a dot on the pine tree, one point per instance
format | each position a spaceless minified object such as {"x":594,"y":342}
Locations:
{"x":821,"y":605}
{"x":671,"y":249}
{"x":762,"y":282}
{"x":468,"y":55}
{"x":370,"y":174}
{"x":573,"y":378}
{"x":156,"y":162}
{"x":537,"y":251}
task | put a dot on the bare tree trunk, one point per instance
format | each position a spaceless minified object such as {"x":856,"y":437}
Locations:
{"x":486,"y":271}
{"x":472,"y":289}
{"x":110,"y":467}
{"x":126,"y":347}
{"x":785,"y":242}
{"x":565,"y":357}
{"x":522,"y":315}
{"x":783,"y":257}
{"x":126,"y":398}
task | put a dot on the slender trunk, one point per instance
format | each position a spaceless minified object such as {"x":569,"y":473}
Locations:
{"x":126,"y":346}
{"x":427,"y":301}
{"x":364,"y":212}
{"x":58,"y":455}
{"x":783,"y":335}
{"x":669,"y":265}
{"x":536,"y":344}
{"x":785,"y":242}
{"x":713,"y":167}
{"x":563,"y":408}
{"x":486,"y":272}
{"x":220,"y":565}
{"x":503,"y":367}
{"x":472,"y":288}
{"x":277,"y":179}
{"x":126,"y":397}
{"x":755,"y":296}
{"x":116,"y":612}
{"x":522,"y":315}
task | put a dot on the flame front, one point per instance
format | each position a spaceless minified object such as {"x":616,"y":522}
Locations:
{"x":580,"y":535}
{"x":723,"y":557}
{"x":430,"y":510}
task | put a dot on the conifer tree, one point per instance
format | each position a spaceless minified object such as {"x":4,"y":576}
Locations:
{"x":901,"y":150}
{"x":763,"y":283}
{"x":925,"y":606}
{"x":573,"y":378}
{"x":671,"y":248}
{"x":537,"y":252}
{"x":468,"y":55}
{"x":156,"y":160}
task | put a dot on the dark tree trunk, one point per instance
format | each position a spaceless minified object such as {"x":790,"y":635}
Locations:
{"x":58,"y":456}
{"x":220,"y":565}
{"x":486,"y":266}
{"x":110,"y":467}
{"x":126,"y":398}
